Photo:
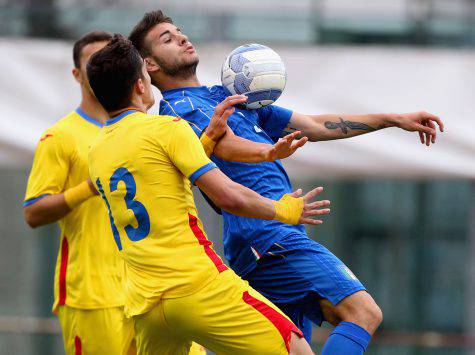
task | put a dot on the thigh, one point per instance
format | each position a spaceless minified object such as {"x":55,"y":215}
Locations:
{"x":94,"y":332}
{"x":154,"y":336}
{"x":229,"y":317}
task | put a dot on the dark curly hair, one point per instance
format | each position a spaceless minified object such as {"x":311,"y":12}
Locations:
{"x":113,"y":71}
{"x":141,"y":29}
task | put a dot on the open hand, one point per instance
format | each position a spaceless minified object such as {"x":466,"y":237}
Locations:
{"x":312,"y":208}
{"x":219,"y":121}
{"x":422,"y":122}
{"x":285,"y":147}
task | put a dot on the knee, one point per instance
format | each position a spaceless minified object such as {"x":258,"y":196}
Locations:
{"x":363,"y":311}
{"x":369,"y":316}
{"x":374,"y":316}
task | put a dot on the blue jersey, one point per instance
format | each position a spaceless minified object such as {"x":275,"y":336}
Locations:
{"x":244,"y":239}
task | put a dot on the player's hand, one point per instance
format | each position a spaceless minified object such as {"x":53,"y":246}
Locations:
{"x":285,"y":147}
{"x":422,"y":122}
{"x":219,"y":121}
{"x":92,"y":187}
{"x":312,"y":208}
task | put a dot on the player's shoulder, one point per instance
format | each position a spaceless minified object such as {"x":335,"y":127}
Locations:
{"x":184,"y":101}
{"x":61,"y":130}
{"x":178,"y":106}
{"x":161,"y":122}
{"x":161,"y":119}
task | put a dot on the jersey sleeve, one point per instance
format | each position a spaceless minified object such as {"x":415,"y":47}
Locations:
{"x":196,"y":117}
{"x":273,"y":120}
{"x":50,"y":168}
{"x":186,"y":151}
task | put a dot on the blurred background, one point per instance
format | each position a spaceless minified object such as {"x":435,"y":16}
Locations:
{"x":403,"y":215}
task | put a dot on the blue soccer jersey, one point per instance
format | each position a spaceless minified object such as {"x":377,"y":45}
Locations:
{"x":244,"y":239}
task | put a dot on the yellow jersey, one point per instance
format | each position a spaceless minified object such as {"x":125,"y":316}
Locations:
{"x":89,"y":270}
{"x":142,"y":165}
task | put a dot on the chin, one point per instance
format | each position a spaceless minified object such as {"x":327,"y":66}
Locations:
{"x":193,"y":59}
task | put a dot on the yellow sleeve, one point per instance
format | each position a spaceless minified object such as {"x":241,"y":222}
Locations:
{"x":186,"y":151}
{"x":50,"y":167}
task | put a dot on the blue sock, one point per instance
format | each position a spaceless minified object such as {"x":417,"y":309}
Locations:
{"x":347,"y":339}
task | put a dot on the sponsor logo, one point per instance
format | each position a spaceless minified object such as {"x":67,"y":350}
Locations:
{"x":257,"y":129}
{"x":176,"y":119}
{"x":46,"y":136}
{"x":179,"y":101}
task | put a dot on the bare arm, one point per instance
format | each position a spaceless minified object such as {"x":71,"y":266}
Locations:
{"x":329,"y":126}
{"x":233,"y":148}
{"x":241,"y":201}
{"x":49,"y":209}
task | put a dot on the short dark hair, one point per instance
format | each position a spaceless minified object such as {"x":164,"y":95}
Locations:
{"x":88,"y":38}
{"x":141,"y":29}
{"x":112,"y":72}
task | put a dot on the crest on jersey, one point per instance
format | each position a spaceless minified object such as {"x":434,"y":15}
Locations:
{"x":348,"y":273}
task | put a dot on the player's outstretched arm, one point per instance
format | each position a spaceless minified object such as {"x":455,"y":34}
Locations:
{"x":328,"y":127}
{"x":51,"y":208}
{"x":239,"y":200}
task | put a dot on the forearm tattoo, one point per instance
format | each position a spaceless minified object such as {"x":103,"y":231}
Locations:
{"x":347,"y":125}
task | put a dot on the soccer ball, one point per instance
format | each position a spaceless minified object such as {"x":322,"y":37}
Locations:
{"x":256,"y":71}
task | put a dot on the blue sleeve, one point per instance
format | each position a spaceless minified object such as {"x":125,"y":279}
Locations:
{"x":197,"y":118}
{"x":273,"y":120}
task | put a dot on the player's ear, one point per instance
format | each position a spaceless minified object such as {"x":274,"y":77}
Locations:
{"x":140,"y":86}
{"x":152,"y":65}
{"x":77,"y":75}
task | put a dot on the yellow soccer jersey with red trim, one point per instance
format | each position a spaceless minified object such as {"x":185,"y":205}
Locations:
{"x":142,"y":165}
{"x":89,"y":270}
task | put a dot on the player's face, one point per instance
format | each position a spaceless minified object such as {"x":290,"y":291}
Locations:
{"x":80,"y":73}
{"x":171,"y":50}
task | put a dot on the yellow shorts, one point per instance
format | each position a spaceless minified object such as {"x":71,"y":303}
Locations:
{"x":226,"y":316}
{"x":95,"y":332}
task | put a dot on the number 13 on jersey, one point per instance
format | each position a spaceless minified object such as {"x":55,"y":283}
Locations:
{"x":140,"y":212}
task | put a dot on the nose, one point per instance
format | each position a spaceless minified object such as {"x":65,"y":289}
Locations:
{"x":183,"y":39}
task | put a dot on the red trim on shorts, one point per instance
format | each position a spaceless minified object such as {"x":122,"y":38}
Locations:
{"x":62,"y":270}
{"x":282,"y":323}
{"x":206,"y":243}
{"x":77,"y":345}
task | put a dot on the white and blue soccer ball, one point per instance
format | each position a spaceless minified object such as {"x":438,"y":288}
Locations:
{"x":256,"y":71}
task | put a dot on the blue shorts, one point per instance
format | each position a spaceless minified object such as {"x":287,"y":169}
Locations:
{"x":296,"y":273}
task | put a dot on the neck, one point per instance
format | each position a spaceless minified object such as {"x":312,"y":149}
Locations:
{"x":137,"y":105}
{"x":92,"y":107}
{"x":168,"y":82}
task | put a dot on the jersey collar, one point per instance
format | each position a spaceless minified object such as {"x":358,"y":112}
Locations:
{"x":119,"y":117}
{"x":88,"y":118}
